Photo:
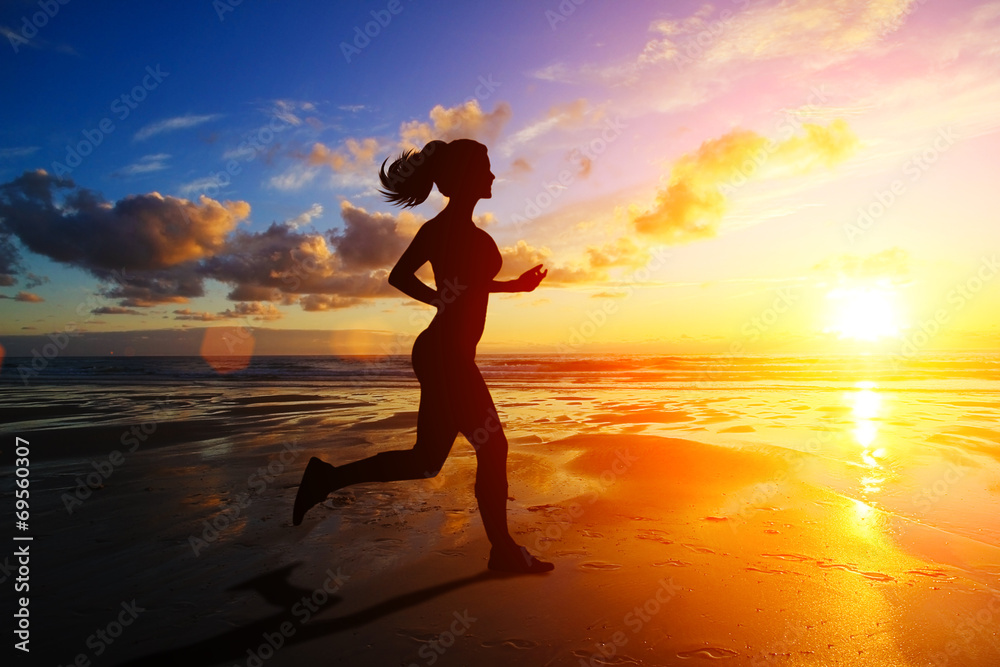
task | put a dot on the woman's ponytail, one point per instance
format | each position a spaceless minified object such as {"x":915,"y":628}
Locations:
{"x":410,"y":177}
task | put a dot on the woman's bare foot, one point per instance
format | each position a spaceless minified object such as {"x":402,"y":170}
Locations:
{"x":313,"y":489}
{"x":515,"y":558}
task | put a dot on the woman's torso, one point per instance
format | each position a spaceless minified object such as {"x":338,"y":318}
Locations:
{"x":465,"y":260}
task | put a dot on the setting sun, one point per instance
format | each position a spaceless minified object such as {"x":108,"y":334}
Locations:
{"x":864,"y":313}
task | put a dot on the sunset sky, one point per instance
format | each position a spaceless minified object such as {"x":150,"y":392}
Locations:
{"x":735,"y":177}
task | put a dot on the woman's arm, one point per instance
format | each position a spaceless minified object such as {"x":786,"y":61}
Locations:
{"x":526,"y":282}
{"x":403,"y":275}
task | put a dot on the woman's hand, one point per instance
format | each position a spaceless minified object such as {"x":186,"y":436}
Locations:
{"x":528,"y":281}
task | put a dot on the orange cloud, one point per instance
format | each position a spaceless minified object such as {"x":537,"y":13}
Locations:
{"x":520,"y":257}
{"x":694,"y":200}
{"x":464,"y":121}
{"x":890,"y":263}
{"x":356,"y":156}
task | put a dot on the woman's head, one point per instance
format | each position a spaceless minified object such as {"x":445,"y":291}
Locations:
{"x":460,"y":169}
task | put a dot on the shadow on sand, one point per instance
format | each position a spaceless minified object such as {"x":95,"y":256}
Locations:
{"x":274,"y":587}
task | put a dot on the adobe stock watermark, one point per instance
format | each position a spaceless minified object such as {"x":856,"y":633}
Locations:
{"x":562,"y":12}
{"x":790,"y":638}
{"x":303,"y":610}
{"x":132,"y":438}
{"x":956,"y":299}
{"x":552,"y":190}
{"x":30,"y":25}
{"x":739,"y":510}
{"x":913,"y":168}
{"x":364,"y":34}
{"x":59,"y":341}
{"x":635,"y":620}
{"x":432,"y":651}
{"x":929,"y":495}
{"x":981,"y":626}
{"x":103,"y":638}
{"x":787,"y":126}
{"x":122,"y":107}
{"x":623,"y":462}
{"x":223,"y":7}
{"x":253,"y":144}
{"x":695,"y":47}
{"x":596,"y":319}
{"x":751,"y":331}
{"x":257,"y":482}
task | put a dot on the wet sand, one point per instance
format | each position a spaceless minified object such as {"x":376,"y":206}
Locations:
{"x":683,"y":532}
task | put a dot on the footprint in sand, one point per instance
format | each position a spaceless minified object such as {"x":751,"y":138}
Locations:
{"x":699,"y":550}
{"x":450,"y":552}
{"x":798,"y":557}
{"x":710,"y":652}
{"x":654,"y":535}
{"x":520,"y":644}
{"x":876,"y":576}
{"x":671,"y":563}
{"x":570,"y":552}
{"x":931,"y":573}
{"x":587,"y":656}
{"x":598,"y":566}
{"x":591,"y":533}
{"x":544,"y":508}
{"x":753,"y":568}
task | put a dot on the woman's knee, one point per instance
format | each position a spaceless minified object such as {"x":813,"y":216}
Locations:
{"x":488,"y":436}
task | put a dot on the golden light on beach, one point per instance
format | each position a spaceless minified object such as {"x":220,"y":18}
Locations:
{"x":866,"y":408}
{"x":864,"y":313}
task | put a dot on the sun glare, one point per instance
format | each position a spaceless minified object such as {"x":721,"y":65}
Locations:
{"x":864,"y":313}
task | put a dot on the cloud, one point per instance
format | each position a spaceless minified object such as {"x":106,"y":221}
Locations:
{"x":145,"y":248}
{"x":143,"y":289}
{"x":561,"y":116}
{"x":289,"y":110}
{"x":171,"y":124}
{"x":145,"y":165}
{"x":464,"y":121}
{"x":294,"y":179}
{"x":621,"y":252}
{"x":17,"y":151}
{"x":17,"y":41}
{"x":751,"y":32}
{"x":143,"y":232}
{"x":693,"y":202}
{"x":188,"y":314}
{"x":356,"y":156}
{"x":372,"y":240}
{"x":306,"y":217}
{"x":115,"y":310}
{"x":26,"y":297}
{"x":10,"y":258}
{"x":254,"y":310}
{"x":322,"y":302}
{"x":355,"y":161}
{"x":803,"y":28}
{"x":283,"y":263}
{"x":891,"y":263}
{"x":519,"y":167}
{"x":522,"y":256}
{"x":34,"y":280}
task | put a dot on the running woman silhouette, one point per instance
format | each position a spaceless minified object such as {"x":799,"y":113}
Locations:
{"x":453,"y":396}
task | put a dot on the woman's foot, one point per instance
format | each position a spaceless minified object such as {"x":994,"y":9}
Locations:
{"x":313,"y":489}
{"x":515,"y":558}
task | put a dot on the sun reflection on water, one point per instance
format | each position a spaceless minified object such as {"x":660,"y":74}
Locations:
{"x":866,"y":409}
